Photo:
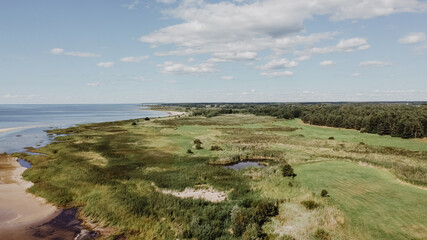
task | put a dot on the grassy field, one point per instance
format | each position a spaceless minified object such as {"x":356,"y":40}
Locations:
{"x":127,"y":175}
{"x":377,"y":206}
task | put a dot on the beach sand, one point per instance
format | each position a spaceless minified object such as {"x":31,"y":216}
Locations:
{"x":173,"y":113}
{"x":20,"y":211}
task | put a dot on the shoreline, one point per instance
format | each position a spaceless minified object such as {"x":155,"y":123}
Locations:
{"x":22,"y":214}
{"x":20,"y":211}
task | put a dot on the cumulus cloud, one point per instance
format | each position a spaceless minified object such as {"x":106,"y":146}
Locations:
{"x":94,"y":84}
{"x":277,"y":74}
{"x":166,"y":1}
{"x":61,"y":51}
{"x":375,"y":64}
{"x":230,"y":56}
{"x":344,"y":45}
{"x":134,"y":59}
{"x":413,"y":38}
{"x":327,"y":63}
{"x":227,"y":77}
{"x":105,"y":64}
{"x":278,"y":64}
{"x":355,"y":74}
{"x":57,"y":51}
{"x":253,"y":26}
{"x":179,"y":68}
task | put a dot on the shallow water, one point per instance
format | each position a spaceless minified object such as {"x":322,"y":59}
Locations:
{"x":24,"y":163}
{"x":245,"y":164}
{"x":33,"y":119}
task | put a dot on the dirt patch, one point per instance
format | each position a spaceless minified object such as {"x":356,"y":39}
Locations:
{"x":209,"y":194}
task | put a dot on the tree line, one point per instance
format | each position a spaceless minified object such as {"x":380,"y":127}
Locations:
{"x":406,"y":120}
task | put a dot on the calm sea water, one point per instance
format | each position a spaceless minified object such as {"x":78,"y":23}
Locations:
{"x":35,"y":118}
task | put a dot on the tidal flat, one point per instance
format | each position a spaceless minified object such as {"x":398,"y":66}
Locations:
{"x":122,"y":177}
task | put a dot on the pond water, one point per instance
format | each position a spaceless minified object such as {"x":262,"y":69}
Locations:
{"x":245,"y":164}
{"x":24,"y":163}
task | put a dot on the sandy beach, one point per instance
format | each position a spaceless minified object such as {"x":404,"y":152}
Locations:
{"x":19,"y":210}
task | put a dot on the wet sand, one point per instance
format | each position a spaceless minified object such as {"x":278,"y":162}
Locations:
{"x":19,"y":210}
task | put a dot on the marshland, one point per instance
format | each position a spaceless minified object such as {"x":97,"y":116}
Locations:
{"x":165,"y":178}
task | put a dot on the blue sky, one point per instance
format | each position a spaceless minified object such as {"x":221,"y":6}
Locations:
{"x":130,"y":51}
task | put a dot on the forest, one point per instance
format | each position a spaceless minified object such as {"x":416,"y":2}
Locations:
{"x":405,"y":120}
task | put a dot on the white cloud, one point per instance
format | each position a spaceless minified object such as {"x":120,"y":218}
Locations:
{"x":94,"y":84}
{"x":344,"y":45}
{"x":132,"y":5}
{"x":278,"y":64}
{"x":327,"y":63}
{"x":166,"y":1}
{"x":105,"y":64}
{"x":60,"y":51}
{"x":57,"y":51}
{"x":178,"y":68}
{"x":11,"y":96}
{"x":253,"y":26}
{"x":303,"y":58}
{"x":227,"y":77}
{"x":134,"y":59}
{"x":413,"y":38}
{"x":375,"y":64}
{"x":82,"y":54}
{"x":355,"y":74}
{"x":277,"y":74}
{"x":230,"y":56}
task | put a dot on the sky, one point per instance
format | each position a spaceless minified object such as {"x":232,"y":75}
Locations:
{"x":157,"y":51}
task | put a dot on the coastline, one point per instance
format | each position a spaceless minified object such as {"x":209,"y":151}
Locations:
{"x":23,"y":215}
{"x":20,"y":211}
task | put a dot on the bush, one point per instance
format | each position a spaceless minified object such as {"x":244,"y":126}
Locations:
{"x":324,"y":193}
{"x":198,"y":146}
{"x":197,"y":141}
{"x":253,"y":232}
{"x":133,"y":123}
{"x":216,"y":148}
{"x":288,"y":171}
{"x":331,"y":138}
{"x":310,"y":204}
{"x":147,"y":119}
{"x":189,"y":151}
{"x":322,"y":234}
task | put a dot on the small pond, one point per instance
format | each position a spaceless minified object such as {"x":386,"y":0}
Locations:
{"x":24,"y":163}
{"x":245,"y":164}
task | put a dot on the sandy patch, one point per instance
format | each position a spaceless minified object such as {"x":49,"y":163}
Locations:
{"x":173,"y":113}
{"x":19,"y":210}
{"x":209,"y":194}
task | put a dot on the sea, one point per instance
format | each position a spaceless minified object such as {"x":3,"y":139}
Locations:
{"x":31,"y":120}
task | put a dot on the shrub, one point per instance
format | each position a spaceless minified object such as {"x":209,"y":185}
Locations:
{"x":189,"y":151}
{"x":133,"y":123}
{"x":310,"y":204}
{"x":240,"y":218}
{"x":147,"y":119}
{"x":324,"y":193}
{"x":198,"y":146}
{"x":288,"y":171}
{"x":290,"y":184}
{"x":331,"y":138}
{"x":253,"y":232}
{"x":197,"y":141}
{"x":322,"y":234}
{"x":216,"y":148}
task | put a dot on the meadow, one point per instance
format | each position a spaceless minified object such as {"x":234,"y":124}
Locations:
{"x":129,"y":178}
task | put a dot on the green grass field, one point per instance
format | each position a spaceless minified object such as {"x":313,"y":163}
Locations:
{"x":113,"y":173}
{"x":376,"y":205}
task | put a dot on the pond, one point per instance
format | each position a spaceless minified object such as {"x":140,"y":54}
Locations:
{"x":244,"y":164}
{"x":24,"y":163}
